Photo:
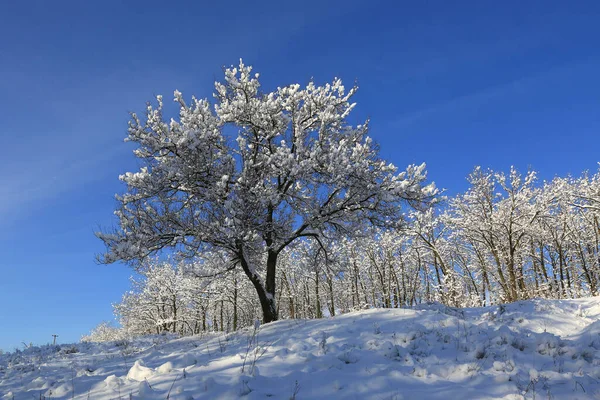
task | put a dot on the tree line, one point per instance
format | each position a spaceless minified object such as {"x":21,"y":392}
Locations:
{"x":506,"y":238}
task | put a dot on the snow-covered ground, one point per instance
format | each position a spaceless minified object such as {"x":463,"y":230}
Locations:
{"x":531,"y":349}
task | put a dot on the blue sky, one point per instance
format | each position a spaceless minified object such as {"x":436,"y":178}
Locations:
{"x":484,"y":83}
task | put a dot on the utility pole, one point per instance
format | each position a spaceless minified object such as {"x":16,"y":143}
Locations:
{"x":54,"y":342}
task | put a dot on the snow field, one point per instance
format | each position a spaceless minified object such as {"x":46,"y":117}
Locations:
{"x":530,"y":349}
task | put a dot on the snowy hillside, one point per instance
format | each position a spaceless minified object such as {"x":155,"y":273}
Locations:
{"x":532,"y":349}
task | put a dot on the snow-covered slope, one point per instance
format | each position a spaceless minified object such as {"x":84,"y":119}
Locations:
{"x":532,"y":349}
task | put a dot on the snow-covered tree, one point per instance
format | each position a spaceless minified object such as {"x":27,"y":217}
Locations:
{"x":105,"y":332}
{"x":293,"y":168}
{"x":158,"y":300}
{"x":494,"y":218}
{"x":186,"y":298}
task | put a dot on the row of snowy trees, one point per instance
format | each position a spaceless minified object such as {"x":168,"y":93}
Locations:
{"x":273,"y":204}
{"x":510,"y":239}
{"x":506,"y":238}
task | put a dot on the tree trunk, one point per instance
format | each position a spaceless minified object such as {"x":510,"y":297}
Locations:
{"x":318,"y":300}
{"x":174,"y":304}
{"x":221,"y":317}
{"x":266,"y":295}
{"x":331,"y":296}
{"x":235,"y":303}
{"x":292,"y":310}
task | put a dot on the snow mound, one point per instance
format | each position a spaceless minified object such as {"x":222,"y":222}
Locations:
{"x":139,"y":372}
{"x":113,"y":382}
{"x":165,"y":368}
{"x":146,"y":392}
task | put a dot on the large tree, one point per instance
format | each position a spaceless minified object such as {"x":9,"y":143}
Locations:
{"x":252,"y":174}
